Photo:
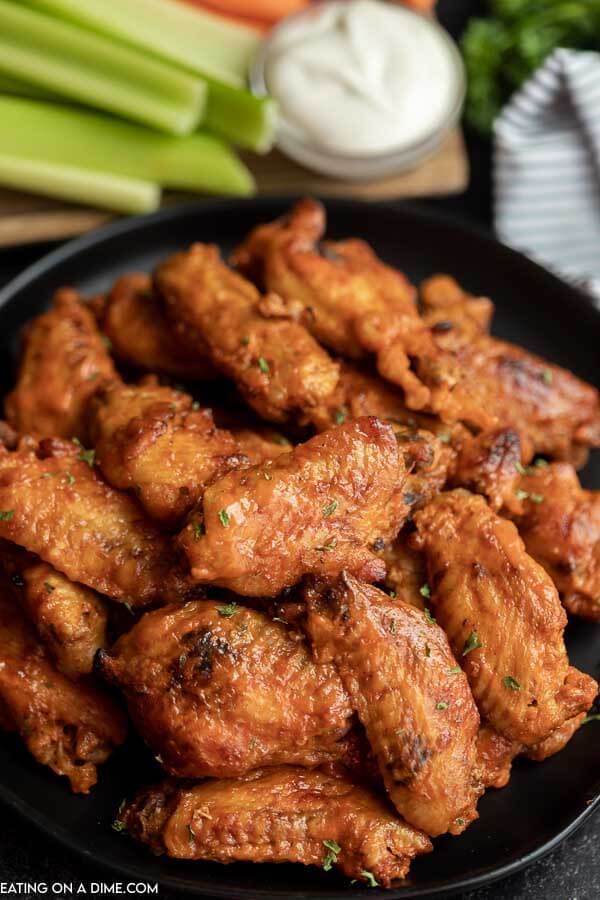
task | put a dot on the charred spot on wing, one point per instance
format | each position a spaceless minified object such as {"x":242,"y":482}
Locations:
{"x":202,"y":647}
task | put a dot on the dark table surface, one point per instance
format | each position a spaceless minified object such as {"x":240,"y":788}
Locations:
{"x":570,"y":873}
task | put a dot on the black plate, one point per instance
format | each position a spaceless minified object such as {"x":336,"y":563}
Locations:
{"x":544,"y":801}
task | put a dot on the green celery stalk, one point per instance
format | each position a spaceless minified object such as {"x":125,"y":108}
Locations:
{"x":196,"y":39}
{"x":241,"y":117}
{"x":88,"y":68}
{"x":126,"y":195}
{"x":10,"y":85}
{"x":78,"y":137}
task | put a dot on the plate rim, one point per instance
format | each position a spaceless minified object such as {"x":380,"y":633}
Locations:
{"x":123,"y":228}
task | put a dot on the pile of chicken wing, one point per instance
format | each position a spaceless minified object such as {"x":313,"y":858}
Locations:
{"x":313,"y":533}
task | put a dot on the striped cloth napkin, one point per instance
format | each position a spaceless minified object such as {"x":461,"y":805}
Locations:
{"x":547,"y":168}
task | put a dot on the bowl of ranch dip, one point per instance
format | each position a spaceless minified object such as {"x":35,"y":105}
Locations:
{"x":365,"y":88}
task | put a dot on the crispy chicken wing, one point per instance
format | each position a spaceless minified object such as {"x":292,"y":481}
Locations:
{"x":445,"y":304}
{"x":490,"y":464}
{"x":70,"y":727}
{"x":560,"y":524}
{"x":334,"y":283}
{"x":503,"y":617}
{"x":418,"y":712}
{"x":278,"y":815}
{"x":326,"y":506}
{"x":218,"y":689}
{"x":59,"y":508}
{"x":155,"y":441}
{"x":70,"y":619}
{"x":278,"y":367}
{"x":134,"y":321}
{"x":64,"y":361}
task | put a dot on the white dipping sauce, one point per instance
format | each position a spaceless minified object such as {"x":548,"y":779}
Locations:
{"x":362,"y":77}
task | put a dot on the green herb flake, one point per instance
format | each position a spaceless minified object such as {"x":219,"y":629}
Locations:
{"x":455,"y":670}
{"x":228,"y":611}
{"x":392,"y":626}
{"x":593,"y":717}
{"x":267,"y":476}
{"x":427,"y":650}
{"x":521,"y":495}
{"x":425,"y":591}
{"x":442,"y":705}
{"x":330,"y":508}
{"x":47,"y":475}
{"x":541,"y":463}
{"x":340,"y":416}
{"x":196,"y":405}
{"x":6,"y":515}
{"x":263,"y":365}
{"x":444,"y":438}
{"x":537,"y":498}
{"x":129,"y":609}
{"x":521,"y":468}
{"x":191,"y":834}
{"x":88,"y":456}
{"x":224,"y":518}
{"x":331,"y":545}
{"x":182,"y":660}
{"x":282,"y":440}
{"x":460,"y":822}
{"x":333,"y":851}
{"x":70,"y":478}
{"x":245,"y":341}
{"x":119,"y":826}
{"x":511,"y":683}
{"x":471,"y":643}
{"x":49,"y":587}
{"x":428,"y":616}
{"x":370,"y":879}
{"x":547,"y":376}
{"x":198,"y":529}
{"x":106,"y":341}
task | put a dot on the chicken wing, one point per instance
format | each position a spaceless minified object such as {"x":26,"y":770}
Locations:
{"x":490,"y":464}
{"x":134,"y":321}
{"x":155,"y":441}
{"x":328,"y":505}
{"x":445,"y":305}
{"x":70,"y":619}
{"x":560,"y":524}
{"x":217,"y":689}
{"x":334,"y":283}
{"x":276,"y":364}
{"x":60,"y":509}
{"x":417,"y":710}
{"x":64,"y":361}
{"x":69,"y":727}
{"x":503,"y":617}
{"x":406,"y":575}
{"x":278,"y":815}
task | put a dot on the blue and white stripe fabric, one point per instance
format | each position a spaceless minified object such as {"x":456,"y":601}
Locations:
{"x":547,"y":168}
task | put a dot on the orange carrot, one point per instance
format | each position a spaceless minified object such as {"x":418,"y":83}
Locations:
{"x":269,"y":10}
{"x":249,"y":21}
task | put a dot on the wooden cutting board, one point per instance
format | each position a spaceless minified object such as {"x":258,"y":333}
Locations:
{"x":25,"y":218}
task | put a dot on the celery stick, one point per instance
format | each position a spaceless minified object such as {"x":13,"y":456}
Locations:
{"x":127,"y":195}
{"x":241,"y":117}
{"x":78,"y":137}
{"x":195,"y":39}
{"x":88,"y":68}
{"x":10,"y":85}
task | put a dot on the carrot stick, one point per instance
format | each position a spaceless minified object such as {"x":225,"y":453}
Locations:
{"x":270,"y":10}
{"x":249,"y":21}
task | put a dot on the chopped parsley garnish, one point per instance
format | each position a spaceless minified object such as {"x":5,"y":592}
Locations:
{"x":70,"y":478}
{"x":340,"y":416}
{"x":460,"y":821}
{"x":520,"y":468}
{"x":471,"y":643}
{"x":541,"y":463}
{"x":245,"y":341}
{"x":521,"y":495}
{"x":444,"y":438}
{"x":427,"y":650}
{"x":199,"y":530}
{"x":267,"y":476}
{"x":330,"y":508}
{"x":333,"y":851}
{"x":425,"y":591}
{"x":537,"y":498}
{"x":455,"y":670}
{"x":87,"y":456}
{"x":6,"y":515}
{"x":182,"y":660}
{"x":191,"y":834}
{"x":46,"y":474}
{"x":547,"y":376}
{"x":331,"y":545}
{"x":228,"y":611}
{"x":392,"y":595}
{"x":49,"y":587}
{"x":593,"y":717}
{"x":106,"y":341}
{"x":370,"y":879}
{"x":392,"y":626}
{"x":224,"y":518}
{"x":195,"y":405}
{"x":263,"y":365}
{"x":119,"y":826}
{"x":129,"y":609}
{"x":428,"y":616}
{"x":442,"y":705}
{"x":511,"y":683}
{"x":282,"y":440}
